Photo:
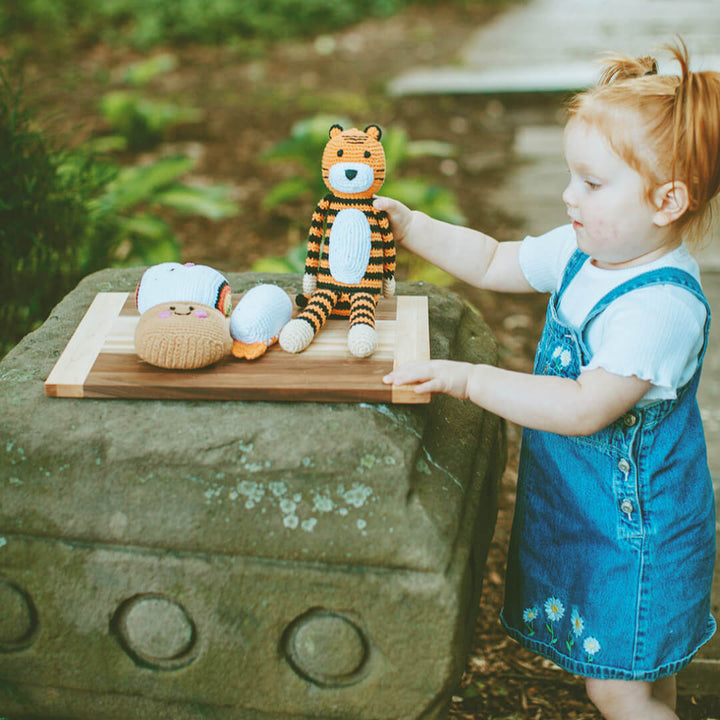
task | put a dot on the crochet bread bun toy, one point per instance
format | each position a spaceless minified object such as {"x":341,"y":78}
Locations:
{"x":357,"y":262}
{"x":257,"y":320}
{"x":183,"y":316}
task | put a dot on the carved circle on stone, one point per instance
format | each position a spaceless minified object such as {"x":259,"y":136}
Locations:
{"x":326,"y":648}
{"x":18,"y":617}
{"x":156,"y":632}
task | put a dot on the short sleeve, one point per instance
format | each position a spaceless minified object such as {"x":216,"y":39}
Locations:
{"x":654,"y":333}
{"x":543,"y":258}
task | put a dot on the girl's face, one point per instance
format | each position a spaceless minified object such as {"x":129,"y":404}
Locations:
{"x":606,"y":200}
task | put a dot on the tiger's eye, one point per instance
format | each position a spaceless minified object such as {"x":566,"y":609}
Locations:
{"x":367,"y":153}
{"x":340,"y":152}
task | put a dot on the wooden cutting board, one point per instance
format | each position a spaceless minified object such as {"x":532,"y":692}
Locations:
{"x":100,"y":361}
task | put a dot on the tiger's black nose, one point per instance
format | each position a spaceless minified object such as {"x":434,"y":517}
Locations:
{"x":350,"y":174}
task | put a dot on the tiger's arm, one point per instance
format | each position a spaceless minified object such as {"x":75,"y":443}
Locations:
{"x":314,"y":245}
{"x":388,"y":252}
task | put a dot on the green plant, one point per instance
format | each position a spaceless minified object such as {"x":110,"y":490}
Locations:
{"x":67,"y":212}
{"x":148,"y":23}
{"x":43,"y":217}
{"x":145,"y":238}
{"x":303,"y":150}
{"x":142,"y":122}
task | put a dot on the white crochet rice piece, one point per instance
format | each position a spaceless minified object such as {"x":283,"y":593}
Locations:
{"x":260,"y":315}
{"x":174,"y":282}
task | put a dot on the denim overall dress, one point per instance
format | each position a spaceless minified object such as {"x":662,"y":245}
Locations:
{"x":613,"y":542}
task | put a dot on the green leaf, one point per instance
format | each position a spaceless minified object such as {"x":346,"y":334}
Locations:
{"x":106,"y":144}
{"x":160,"y":252}
{"x":292,"y":262}
{"x":285,"y":191}
{"x":416,"y":193}
{"x":160,"y":116}
{"x":140,"y":73}
{"x":147,"y":226}
{"x":272,"y":265}
{"x":141,"y":184}
{"x":151,"y":241}
{"x":211,"y":202}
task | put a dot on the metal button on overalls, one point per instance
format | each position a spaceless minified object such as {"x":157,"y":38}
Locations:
{"x":630,"y":419}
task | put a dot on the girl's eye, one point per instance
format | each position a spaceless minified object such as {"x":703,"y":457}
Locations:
{"x":592,"y":185}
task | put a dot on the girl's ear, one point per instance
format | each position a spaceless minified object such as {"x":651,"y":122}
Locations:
{"x":671,"y":200}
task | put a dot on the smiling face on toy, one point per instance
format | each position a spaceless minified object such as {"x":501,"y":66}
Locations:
{"x":180,"y":310}
{"x":353,"y":162}
{"x":182,"y":336}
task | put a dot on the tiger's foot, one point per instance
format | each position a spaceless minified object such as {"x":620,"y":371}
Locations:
{"x":362,"y":340}
{"x":296,"y":336}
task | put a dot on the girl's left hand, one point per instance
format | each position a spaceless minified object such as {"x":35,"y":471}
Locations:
{"x":446,"y":376}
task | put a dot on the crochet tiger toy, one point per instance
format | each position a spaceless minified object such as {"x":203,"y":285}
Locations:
{"x":350,"y":258}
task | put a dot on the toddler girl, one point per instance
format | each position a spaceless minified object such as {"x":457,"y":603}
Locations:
{"x":611,"y":556}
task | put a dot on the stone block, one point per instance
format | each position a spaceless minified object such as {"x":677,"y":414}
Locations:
{"x":239,"y":560}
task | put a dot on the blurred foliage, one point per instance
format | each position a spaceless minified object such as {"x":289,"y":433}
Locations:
{"x":140,"y":121}
{"x":146,"y":23}
{"x":66,"y":212}
{"x":303,"y":150}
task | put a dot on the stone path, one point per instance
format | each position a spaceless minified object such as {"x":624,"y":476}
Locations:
{"x":552,"y":45}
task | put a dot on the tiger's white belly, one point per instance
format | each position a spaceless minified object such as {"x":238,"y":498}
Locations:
{"x":349,"y":247}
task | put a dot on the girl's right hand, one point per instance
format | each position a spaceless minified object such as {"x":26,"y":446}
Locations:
{"x":400,"y":216}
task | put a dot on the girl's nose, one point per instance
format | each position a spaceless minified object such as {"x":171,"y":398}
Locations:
{"x":567,"y":196}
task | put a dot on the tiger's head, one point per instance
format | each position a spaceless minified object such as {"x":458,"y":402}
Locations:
{"x":353,"y":162}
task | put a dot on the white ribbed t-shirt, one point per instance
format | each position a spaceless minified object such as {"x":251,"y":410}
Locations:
{"x":655,"y":333}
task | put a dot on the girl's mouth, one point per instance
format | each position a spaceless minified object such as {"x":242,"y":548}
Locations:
{"x":576,"y":225}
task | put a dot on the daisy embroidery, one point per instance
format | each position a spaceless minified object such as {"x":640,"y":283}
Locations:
{"x":529,"y":616}
{"x":554,"y":610}
{"x":562,"y":355}
{"x":591,"y":647}
{"x":577,"y":625}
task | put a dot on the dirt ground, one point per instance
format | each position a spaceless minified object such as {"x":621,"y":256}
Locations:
{"x":251,"y":104}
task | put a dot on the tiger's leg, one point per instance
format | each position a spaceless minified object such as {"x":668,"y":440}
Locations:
{"x":300,"y":331}
{"x":362,"y":337}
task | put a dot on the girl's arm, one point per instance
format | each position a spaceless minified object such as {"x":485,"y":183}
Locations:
{"x":469,"y":255}
{"x":541,"y":402}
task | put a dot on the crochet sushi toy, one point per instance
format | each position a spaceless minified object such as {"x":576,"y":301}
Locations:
{"x":350,"y":260}
{"x":257,"y":320}
{"x":183,"y":316}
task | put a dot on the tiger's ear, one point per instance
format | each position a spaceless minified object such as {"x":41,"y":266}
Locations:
{"x":335,"y":130}
{"x":373,"y":131}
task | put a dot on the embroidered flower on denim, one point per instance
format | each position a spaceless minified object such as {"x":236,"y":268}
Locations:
{"x":562,"y":355}
{"x":591,"y":647}
{"x":559,"y":360}
{"x":554,"y":610}
{"x":529,"y":616}
{"x":577,"y":625}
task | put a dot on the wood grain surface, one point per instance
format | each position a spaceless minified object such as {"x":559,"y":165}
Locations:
{"x":100,"y":361}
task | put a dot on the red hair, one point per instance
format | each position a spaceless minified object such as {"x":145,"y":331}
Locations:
{"x":666,"y":127}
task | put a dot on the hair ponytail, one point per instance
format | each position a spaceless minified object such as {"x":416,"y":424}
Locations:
{"x":696,"y":131}
{"x":666,"y":127}
{"x":623,"y":67}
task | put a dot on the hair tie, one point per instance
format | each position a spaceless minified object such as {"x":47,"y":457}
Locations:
{"x":654,"y":69}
